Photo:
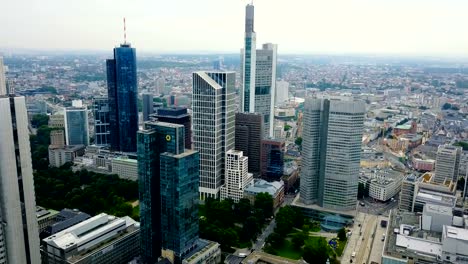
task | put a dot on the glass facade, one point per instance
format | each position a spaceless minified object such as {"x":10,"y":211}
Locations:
{"x":122,"y":84}
{"x":101,"y":121}
{"x":76,"y":126}
{"x":272,"y":159}
{"x":179,"y":176}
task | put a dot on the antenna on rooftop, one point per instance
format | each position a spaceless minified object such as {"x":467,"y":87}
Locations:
{"x":125,"y":32}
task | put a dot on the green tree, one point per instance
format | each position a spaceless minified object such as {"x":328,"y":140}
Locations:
{"x":298,"y":239}
{"x":264,"y":202}
{"x":243,"y":209}
{"x":316,"y":251}
{"x":298,"y":141}
{"x":287,"y":127}
{"x":275,"y":240}
{"x":250,"y":228}
{"x":342,"y":234}
{"x":39,"y":120}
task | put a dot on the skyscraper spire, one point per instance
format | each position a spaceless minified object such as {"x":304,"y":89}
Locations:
{"x":125,"y":32}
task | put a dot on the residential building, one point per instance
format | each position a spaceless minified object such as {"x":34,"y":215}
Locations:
{"x":126,"y":168}
{"x":213,"y":126}
{"x":156,"y":138}
{"x":122,"y":87}
{"x":248,"y":139}
{"x":206,"y":252}
{"x":272,"y":159}
{"x":101,"y":121}
{"x":331,"y":152}
{"x":176,"y":115}
{"x":275,"y":189}
{"x":19,"y":235}
{"x":58,"y":156}
{"x":447,"y":163}
{"x":147,"y":106}
{"x":100,"y":239}
{"x":179,"y":176}
{"x":237,"y":176}
{"x":258,"y":75}
{"x":76,"y":126}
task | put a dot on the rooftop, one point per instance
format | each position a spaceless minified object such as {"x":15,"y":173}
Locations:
{"x":260,"y":186}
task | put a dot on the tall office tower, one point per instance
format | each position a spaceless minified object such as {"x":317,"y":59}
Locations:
{"x":282,"y":91}
{"x":3,"y":88}
{"x":19,"y":235}
{"x":179,"y":174}
{"x":122,"y":87}
{"x":76,"y":126}
{"x":258,"y":75}
{"x":213,"y":126}
{"x":272,"y":159}
{"x":147,"y":105}
{"x":248,"y":134}
{"x":156,"y":138}
{"x":177,"y":115}
{"x":447,"y":163}
{"x":237,"y":176}
{"x":160,"y":86}
{"x":101,"y":121}
{"x":331,"y":152}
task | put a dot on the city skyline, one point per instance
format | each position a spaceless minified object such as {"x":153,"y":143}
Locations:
{"x":362,"y":26}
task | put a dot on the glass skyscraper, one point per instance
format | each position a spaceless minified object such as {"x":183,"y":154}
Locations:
{"x":122,"y":87}
{"x":101,"y":121}
{"x":76,"y":126}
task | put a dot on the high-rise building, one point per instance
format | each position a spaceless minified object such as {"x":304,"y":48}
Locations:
{"x":213,"y":126}
{"x":3,"y":83}
{"x":258,"y":75}
{"x":57,"y":138}
{"x":237,"y":176}
{"x":331,"y":152}
{"x":179,"y":175}
{"x":155,"y":139}
{"x":122,"y":87}
{"x":282,"y":91}
{"x":76,"y":126}
{"x":248,"y":134}
{"x":272,"y":159}
{"x":147,"y":105}
{"x":101,"y":121}
{"x":447,"y":163}
{"x":19,"y":235}
{"x":176,"y":115}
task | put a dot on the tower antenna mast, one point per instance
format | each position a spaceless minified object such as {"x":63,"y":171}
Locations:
{"x":125,"y":32}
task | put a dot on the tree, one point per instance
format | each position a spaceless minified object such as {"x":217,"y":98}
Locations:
{"x":361,"y":190}
{"x":446,"y":106}
{"x":342,"y":234}
{"x":275,"y":240}
{"x":298,"y":141}
{"x":264,"y":202}
{"x":250,"y":228}
{"x":316,"y":251}
{"x":287,"y":127}
{"x":298,"y":239}
{"x":39,"y":120}
{"x":243,"y":209}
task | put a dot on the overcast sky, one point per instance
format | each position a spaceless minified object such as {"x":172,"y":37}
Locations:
{"x":428,"y":27}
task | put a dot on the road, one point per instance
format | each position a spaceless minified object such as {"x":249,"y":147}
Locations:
{"x":360,"y":239}
{"x":362,"y":252}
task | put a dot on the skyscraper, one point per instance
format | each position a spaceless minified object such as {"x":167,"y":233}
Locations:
{"x":76,"y":126}
{"x":213,"y":126}
{"x":122,"y":87}
{"x":177,"y":115}
{"x":272,"y":159}
{"x":101,"y":121}
{"x":3,"y":88}
{"x":155,"y":139}
{"x":258,"y":75}
{"x":237,"y":176}
{"x":19,"y":235}
{"x":147,"y":105}
{"x":248,"y":134}
{"x":447,"y":163}
{"x":331,"y":152}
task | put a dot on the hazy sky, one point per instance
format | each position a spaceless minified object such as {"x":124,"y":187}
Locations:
{"x":438,"y":27}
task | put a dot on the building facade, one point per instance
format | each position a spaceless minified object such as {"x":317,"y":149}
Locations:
{"x":19,"y":235}
{"x":76,"y":126}
{"x":147,"y":105}
{"x":177,"y":115}
{"x":331,"y":152}
{"x":101,"y":121}
{"x":213,"y":126}
{"x":125,"y":168}
{"x":237,"y":176}
{"x":3,"y":83}
{"x":122,"y":87}
{"x":248,"y":138}
{"x":447,"y":163}
{"x":272,"y":159}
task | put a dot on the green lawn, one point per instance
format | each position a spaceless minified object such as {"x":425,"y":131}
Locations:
{"x":340,"y":248}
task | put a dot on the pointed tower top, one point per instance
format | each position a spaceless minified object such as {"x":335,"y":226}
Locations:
{"x":125,"y":32}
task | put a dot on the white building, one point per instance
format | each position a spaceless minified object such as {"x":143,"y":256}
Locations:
{"x":125,"y":168}
{"x":19,"y":235}
{"x":213,"y":126}
{"x":237,"y":176}
{"x":58,"y":156}
{"x":383,"y":189}
{"x":447,"y":163}
{"x":282,"y":91}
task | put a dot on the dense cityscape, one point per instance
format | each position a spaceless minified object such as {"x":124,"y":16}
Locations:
{"x":257,"y":157}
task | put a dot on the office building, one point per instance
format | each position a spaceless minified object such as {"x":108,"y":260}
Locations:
{"x":331,"y":153}
{"x":76,"y":126}
{"x":407,"y":193}
{"x":19,"y":235}
{"x":101,"y":121}
{"x":122,"y":87}
{"x":282,"y":92}
{"x":156,"y":138}
{"x":447,"y":163}
{"x":206,"y":252}
{"x":57,"y":138}
{"x":176,"y":115}
{"x":213,"y":126}
{"x":275,"y":189}
{"x":147,"y":105}
{"x":179,"y":175}
{"x":126,"y":168}
{"x":45,"y":217}
{"x":100,"y":239}
{"x":248,"y":138}
{"x":272,"y":159}
{"x":58,"y":156}
{"x":64,"y":219}
{"x":3,"y":83}
{"x":57,"y":121}
{"x":237,"y":176}
{"x":258,"y":75}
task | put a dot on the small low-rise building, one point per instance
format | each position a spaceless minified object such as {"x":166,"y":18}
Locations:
{"x":126,"y":168}
{"x":206,"y":252}
{"x":45,"y":217}
{"x":384,"y":189}
{"x":275,"y":189}
{"x":58,"y":156}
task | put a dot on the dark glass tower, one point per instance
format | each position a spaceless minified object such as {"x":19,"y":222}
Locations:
{"x":177,"y":115}
{"x":101,"y":121}
{"x":249,"y":131}
{"x":122,"y":87}
{"x":272,"y":159}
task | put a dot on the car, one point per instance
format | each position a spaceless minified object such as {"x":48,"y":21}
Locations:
{"x":362,"y":204}
{"x":353,"y":255}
